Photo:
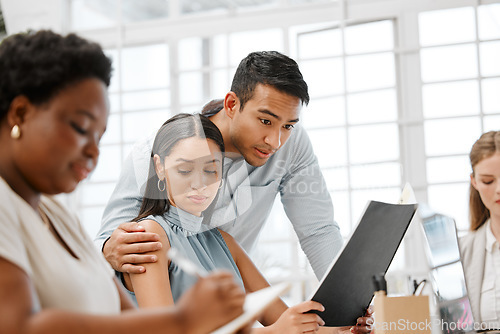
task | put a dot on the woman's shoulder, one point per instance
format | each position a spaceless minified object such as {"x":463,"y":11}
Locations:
{"x":152,"y":224}
{"x":228,"y":238}
{"x":467,"y":241}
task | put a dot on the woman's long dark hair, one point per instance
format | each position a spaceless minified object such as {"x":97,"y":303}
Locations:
{"x":180,"y":126}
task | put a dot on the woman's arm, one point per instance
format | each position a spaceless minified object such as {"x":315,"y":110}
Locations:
{"x":253,"y":279}
{"x":212,"y":302}
{"x":152,"y":288}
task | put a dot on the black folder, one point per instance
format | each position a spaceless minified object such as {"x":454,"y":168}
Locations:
{"x":347,"y":288}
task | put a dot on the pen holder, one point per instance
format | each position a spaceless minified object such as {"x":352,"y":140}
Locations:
{"x":408,"y":314}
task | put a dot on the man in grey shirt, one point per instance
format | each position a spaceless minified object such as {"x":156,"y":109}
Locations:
{"x":266,"y":153}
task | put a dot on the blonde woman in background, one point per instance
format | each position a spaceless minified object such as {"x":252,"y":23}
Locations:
{"x":481,"y":247}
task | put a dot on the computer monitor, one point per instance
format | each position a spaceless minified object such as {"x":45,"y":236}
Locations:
{"x":447,"y":274}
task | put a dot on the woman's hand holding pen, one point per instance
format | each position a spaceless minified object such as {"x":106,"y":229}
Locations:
{"x":213,"y":301}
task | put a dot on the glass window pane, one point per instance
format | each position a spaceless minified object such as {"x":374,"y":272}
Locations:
{"x":273,"y":259}
{"x":376,"y":175}
{"x":373,"y":143}
{"x":489,"y":16}
{"x":448,"y":169}
{"x":91,"y":220}
{"x":490,"y":53}
{"x":451,"y":200}
{"x":336,"y":178}
{"x":307,"y":1}
{"x":146,"y":100}
{"x":145,"y":67}
{"x":329,"y":146}
{"x":449,"y":63}
{"x":280,"y":227}
{"x":370,"y":72}
{"x":323,"y":113}
{"x":491,"y":123}
{"x":191,"y":88}
{"x":379,"y":106}
{"x":451,"y":99}
{"x":330,"y":41}
{"x":137,"y":125}
{"x":221,"y":83}
{"x":460,"y":26}
{"x":242,"y":43}
{"x":190,"y":53}
{"x":114,"y":102}
{"x":369,"y":37}
{"x":398,"y":265}
{"x":198,"y":6}
{"x":451,"y":136}
{"x":87,"y":15}
{"x":341,"y":211}
{"x":491,"y":96}
{"x":450,"y":281}
{"x":115,"y":75}
{"x":219,"y":51}
{"x":109,"y":161}
{"x":112,"y":134}
{"x":96,"y":193}
{"x":136,"y":11}
{"x":193,"y":6}
{"x":324,"y":77}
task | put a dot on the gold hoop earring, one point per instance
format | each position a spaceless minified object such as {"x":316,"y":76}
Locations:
{"x":15,"y":133}
{"x":164,"y":185}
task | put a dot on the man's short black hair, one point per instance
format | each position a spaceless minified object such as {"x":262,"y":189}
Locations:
{"x":268,"y":68}
{"x":39,"y":64}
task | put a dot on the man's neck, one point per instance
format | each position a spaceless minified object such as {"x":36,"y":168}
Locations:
{"x":221,"y":120}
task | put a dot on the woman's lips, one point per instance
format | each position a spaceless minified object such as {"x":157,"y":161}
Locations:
{"x":81,"y":172}
{"x":198,"y":199}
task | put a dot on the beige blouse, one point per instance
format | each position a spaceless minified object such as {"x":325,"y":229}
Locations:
{"x":82,"y":284}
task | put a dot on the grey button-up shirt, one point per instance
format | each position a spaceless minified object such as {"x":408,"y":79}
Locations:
{"x":247,"y":197}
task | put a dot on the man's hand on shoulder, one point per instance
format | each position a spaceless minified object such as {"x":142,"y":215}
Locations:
{"x":127,"y":248}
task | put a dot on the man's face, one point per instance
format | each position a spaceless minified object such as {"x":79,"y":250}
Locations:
{"x":264,"y":124}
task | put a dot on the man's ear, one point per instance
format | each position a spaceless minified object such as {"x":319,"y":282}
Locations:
{"x":159,"y":167}
{"x":231,"y":103}
{"x":19,"y":110}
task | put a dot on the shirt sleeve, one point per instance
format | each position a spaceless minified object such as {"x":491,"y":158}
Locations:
{"x":12,"y":241}
{"x":308,"y":205}
{"x":125,"y":201}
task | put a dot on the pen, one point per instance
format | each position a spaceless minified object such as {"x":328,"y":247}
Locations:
{"x":418,"y":287}
{"x":185,"y":264}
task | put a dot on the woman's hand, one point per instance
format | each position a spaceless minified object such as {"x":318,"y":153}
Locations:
{"x":295,"y":321}
{"x":363,"y":324}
